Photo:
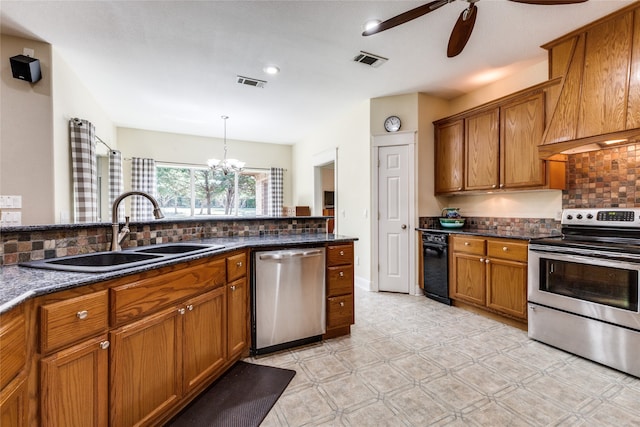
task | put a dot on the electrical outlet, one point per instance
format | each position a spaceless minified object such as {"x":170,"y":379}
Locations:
{"x":28,"y":52}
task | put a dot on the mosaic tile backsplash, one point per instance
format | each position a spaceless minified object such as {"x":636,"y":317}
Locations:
{"x":603,"y":179}
{"x":24,"y":244}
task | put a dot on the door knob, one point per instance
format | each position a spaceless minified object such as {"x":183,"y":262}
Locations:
{"x":404,"y":226}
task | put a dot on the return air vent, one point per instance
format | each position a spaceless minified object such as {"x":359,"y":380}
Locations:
{"x":370,"y":59}
{"x":251,"y":82}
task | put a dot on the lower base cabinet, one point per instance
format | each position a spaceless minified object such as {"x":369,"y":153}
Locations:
{"x":76,"y":385}
{"x":490,"y":273}
{"x":14,"y":401}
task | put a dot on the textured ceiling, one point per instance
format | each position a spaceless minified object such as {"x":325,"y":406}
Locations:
{"x":171,"y":65}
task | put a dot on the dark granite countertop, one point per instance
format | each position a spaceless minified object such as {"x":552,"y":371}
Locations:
{"x":18,"y":284}
{"x":519,"y":235}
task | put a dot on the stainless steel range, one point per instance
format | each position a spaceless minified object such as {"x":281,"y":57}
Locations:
{"x":583,"y":287}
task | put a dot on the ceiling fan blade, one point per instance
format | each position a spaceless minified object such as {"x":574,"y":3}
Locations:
{"x":549,"y":2}
{"x":406,"y":16}
{"x":462,"y":30}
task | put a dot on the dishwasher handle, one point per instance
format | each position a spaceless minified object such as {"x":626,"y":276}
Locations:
{"x":288,"y":255}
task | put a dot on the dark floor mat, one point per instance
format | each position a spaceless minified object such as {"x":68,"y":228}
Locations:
{"x":242,"y":397}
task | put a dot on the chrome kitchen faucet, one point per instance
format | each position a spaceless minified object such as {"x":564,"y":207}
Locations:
{"x":118,"y":235}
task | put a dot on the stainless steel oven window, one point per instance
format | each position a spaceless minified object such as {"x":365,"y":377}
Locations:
{"x":611,"y":286}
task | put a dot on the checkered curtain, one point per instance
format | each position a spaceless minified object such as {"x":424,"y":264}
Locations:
{"x":116,"y":181}
{"x":143,"y":178}
{"x":276,"y":193}
{"x":84,"y":166}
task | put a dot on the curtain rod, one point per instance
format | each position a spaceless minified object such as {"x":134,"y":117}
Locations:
{"x":106,"y":145}
{"x":162,"y":162}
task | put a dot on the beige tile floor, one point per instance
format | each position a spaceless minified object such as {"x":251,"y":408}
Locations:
{"x":411,"y":361}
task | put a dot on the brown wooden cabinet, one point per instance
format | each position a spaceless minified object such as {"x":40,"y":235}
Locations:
{"x":339,"y":286}
{"x":449,"y":156}
{"x":237,"y":305}
{"x":495,"y":147}
{"x":13,"y":377}
{"x":490,"y":273}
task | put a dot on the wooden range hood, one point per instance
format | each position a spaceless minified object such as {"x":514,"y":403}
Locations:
{"x":598,"y":98}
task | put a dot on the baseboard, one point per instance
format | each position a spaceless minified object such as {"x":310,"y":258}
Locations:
{"x":363,"y":283}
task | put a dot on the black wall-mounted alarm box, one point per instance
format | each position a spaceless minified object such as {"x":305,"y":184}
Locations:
{"x":25,"y":68}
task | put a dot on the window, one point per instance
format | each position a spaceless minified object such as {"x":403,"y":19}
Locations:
{"x":185,"y":191}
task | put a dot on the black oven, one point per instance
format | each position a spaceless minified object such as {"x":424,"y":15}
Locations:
{"x":583,"y":287}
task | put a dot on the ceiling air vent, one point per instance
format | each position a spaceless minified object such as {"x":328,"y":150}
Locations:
{"x":251,"y":82}
{"x":370,"y":59}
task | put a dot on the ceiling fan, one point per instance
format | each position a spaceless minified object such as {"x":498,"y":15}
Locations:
{"x":464,"y":25}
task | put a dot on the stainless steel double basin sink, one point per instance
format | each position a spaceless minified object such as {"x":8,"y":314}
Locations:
{"x":100,"y":262}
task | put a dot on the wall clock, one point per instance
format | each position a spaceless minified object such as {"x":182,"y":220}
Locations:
{"x":392,"y":124}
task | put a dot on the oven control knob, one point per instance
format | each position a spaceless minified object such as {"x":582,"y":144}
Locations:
{"x":569,"y":216}
{"x":579,"y":216}
{"x":589,"y":216}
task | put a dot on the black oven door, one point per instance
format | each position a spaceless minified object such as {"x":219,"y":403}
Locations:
{"x":603,"y":288}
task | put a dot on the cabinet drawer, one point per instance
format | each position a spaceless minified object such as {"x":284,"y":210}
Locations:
{"x":339,"y":311}
{"x":339,"y":254}
{"x":13,"y":345}
{"x":469,"y":245}
{"x":142,"y":297}
{"x":515,"y":251}
{"x":339,"y":280}
{"x":236,"y":266}
{"x":64,"y":322}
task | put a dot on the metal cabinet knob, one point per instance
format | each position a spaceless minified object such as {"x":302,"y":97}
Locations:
{"x":504,"y":248}
{"x":341,"y":253}
{"x":82,"y":314}
{"x":467,"y":243}
{"x":341,"y":304}
{"x":239,"y":263}
{"x":493,"y":186}
{"x":190,"y":307}
{"x":481,"y":259}
{"x":501,"y":185}
{"x":105,"y":345}
{"x":486,"y":261}
{"x":341,"y":274}
{"x":459,"y":188}
{"x":181,"y":310}
{"x":233,"y":287}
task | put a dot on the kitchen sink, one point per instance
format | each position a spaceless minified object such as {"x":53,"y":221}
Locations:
{"x":100,"y":262}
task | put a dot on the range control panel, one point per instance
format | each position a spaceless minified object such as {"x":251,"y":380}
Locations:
{"x":611,"y":217}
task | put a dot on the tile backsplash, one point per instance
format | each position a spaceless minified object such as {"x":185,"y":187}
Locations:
{"x":603,"y":179}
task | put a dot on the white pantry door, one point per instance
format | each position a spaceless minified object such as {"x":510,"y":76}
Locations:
{"x":393,"y":223}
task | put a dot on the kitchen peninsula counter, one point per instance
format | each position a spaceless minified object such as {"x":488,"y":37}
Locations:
{"x":19,"y":284}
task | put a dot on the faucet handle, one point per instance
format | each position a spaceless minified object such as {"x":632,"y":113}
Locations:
{"x":126,"y":221}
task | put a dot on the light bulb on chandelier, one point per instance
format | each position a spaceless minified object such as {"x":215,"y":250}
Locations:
{"x":225,"y":165}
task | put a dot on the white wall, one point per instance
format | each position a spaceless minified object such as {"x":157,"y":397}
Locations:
{"x":350,"y":134}
{"x":195,"y":150}
{"x":26,"y":133}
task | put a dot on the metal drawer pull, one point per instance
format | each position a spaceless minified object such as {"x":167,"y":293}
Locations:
{"x":341,"y":253}
{"x":190,"y":307}
{"x":105,"y":345}
{"x":341,"y":304}
{"x":504,"y":248}
{"x":181,"y":310}
{"x":82,"y":314}
{"x":233,"y":287}
{"x":467,"y":243}
{"x":486,"y":261}
{"x":481,"y":259}
{"x":341,"y":274}
{"x":239,"y":263}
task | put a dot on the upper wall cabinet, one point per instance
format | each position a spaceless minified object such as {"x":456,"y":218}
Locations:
{"x":495,"y":146}
{"x":599,"y":97}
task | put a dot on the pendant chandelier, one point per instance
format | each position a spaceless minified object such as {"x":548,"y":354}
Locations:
{"x":225,"y":165}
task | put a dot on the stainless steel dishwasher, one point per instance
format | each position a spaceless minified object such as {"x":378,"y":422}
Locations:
{"x":288,"y":298}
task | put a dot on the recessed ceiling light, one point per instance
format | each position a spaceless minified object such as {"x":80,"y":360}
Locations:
{"x":271,"y":69}
{"x":371,"y":24}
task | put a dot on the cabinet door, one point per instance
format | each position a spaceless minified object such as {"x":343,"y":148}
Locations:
{"x":521,"y":130}
{"x":237,"y":303}
{"x":468,"y":278}
{"x":507,"y":287}
{"x":14,"y":401}
{"x":74,"y":385}
{"x":482,"y":150}
{"x":449,"y":152}
{"x":204,"y":337}
{"x":145,"y":368}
